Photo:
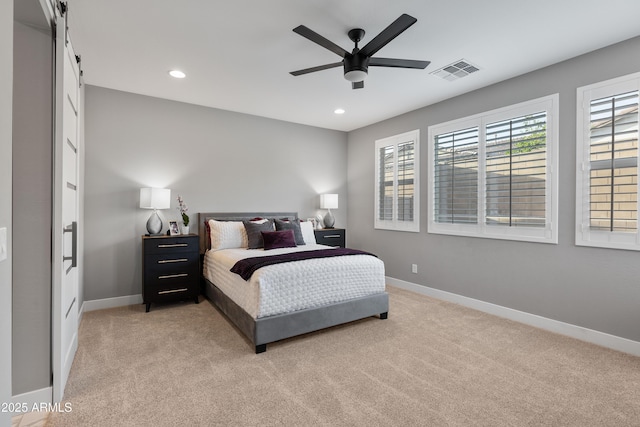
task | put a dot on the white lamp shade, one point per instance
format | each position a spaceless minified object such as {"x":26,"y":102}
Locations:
{"x":328,"y":201}
{"x":355,"y":75}
{"x":155,"y":198}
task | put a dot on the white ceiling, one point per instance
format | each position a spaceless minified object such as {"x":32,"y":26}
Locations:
{"x":238,"y":54}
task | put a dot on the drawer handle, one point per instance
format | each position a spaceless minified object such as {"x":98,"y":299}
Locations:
{"x":172,"y":276}
{"x":332,"y":236}
{"x":175,"y":245}
{"x":172,"y":291}
{"x":166,"y":261}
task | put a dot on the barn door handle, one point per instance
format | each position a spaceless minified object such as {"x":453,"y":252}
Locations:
{"x":73,"y":229}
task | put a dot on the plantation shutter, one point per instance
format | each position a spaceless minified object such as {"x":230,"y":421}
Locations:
{"x":406,"y":169}
{"x":613,"y":160}
{"x":456,"y":177}
{"x":386,"y":182}
{"x":515,"y":174}
{"x":397,"y":206}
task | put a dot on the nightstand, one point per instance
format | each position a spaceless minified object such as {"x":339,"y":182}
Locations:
{"x":331,"y":236}
{"x":170,"y":268}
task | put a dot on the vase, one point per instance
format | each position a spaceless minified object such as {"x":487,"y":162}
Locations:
{"x":329,"y":220}
{"x":154,"y":223}
{"x":184,"y":229}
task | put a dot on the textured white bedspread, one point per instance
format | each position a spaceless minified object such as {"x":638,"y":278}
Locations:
{"x":293,"y":286}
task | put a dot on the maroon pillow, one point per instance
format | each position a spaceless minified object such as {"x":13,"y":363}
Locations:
{"x":278,"y":239}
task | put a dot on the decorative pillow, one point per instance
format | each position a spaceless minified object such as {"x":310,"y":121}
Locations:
{"x":253,"y":229}
{"x":227,"y":234}
{"x":306,"y":228}
{"x":278,"y":239}
{"x":291,"y":225}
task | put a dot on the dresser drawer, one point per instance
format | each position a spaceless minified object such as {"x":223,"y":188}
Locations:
{"x":331,"y":237}
{"x":171,"y":245}
{"x":171,"y":292}
{"x":169,"y":261}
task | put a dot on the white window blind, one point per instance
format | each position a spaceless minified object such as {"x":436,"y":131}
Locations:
{"x":516,"y":171}
{"x":607,"y":181}
{"x":386,"y":182}
{"x":492,"y":174}
{"x":406,"y":181}
{"x":397,"y":182}
{"x":456,"y":177}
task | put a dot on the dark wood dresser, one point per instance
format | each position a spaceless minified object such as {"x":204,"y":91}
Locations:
{"x":170,"y":268}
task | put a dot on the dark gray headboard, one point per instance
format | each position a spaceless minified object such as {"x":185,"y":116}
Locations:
{"x":204,"y":217}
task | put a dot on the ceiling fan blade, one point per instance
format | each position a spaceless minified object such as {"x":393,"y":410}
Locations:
{"x":318,"y":39}
{"x":388,"y":34}
{"x":357,"y":85}
{"x":314,"y":69}
{"x":398,"y":63}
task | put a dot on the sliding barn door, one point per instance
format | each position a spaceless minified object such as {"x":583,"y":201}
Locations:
{"x":65,"y":209}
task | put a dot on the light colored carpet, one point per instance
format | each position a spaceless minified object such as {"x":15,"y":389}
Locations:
{"x":432,"y":363}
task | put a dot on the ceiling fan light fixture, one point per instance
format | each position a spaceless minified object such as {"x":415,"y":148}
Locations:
{"x":355,"y":75}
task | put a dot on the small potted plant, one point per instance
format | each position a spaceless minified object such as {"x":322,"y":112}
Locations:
{"x":182,"y":207}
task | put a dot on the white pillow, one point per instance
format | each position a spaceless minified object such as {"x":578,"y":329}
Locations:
{"x":307,"y":233}
{"x":227,"y":235}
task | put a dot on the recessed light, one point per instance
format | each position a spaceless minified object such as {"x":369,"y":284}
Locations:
{"x":339,"y":111}
{"x":177,"y":74}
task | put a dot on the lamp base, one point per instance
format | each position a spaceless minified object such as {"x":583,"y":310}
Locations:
{"x":154,"y":224}
{"x":329,"y":220}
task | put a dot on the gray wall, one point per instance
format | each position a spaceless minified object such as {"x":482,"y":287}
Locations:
{"x":217,"y":160}
{"x":6,"y":90}
{"x":32,"y":129}
{"x":589,"y":287}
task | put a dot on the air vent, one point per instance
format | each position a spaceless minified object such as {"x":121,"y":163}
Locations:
{"x":455,"y":70}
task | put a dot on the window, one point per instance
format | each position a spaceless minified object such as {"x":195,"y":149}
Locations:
{"x":607,"y":164}
{"x":396,"y":192}
{"x":456,"y":177}
{"x":494,"y":174}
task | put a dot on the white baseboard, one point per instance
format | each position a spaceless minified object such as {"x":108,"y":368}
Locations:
{"x":573,"y":331}
{"x":32,"y":401}
{"x":99,"y":304}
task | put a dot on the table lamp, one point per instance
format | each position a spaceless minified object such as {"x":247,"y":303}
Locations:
{"x":155,"y":198}
{"x":329,"y":201}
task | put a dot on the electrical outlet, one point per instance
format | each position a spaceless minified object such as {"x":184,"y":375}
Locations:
{"x":414,"y":268}
{"x":3,"y":243}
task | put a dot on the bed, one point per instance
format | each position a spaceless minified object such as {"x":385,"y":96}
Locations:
{"x":290,"y":298}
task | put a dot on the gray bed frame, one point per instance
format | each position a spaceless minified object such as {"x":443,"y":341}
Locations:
{"x":274,"y":328}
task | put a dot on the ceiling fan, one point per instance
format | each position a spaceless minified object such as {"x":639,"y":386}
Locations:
{"x":357,"y":62}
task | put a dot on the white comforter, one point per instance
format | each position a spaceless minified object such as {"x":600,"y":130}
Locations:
{"x":293,"y":286}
